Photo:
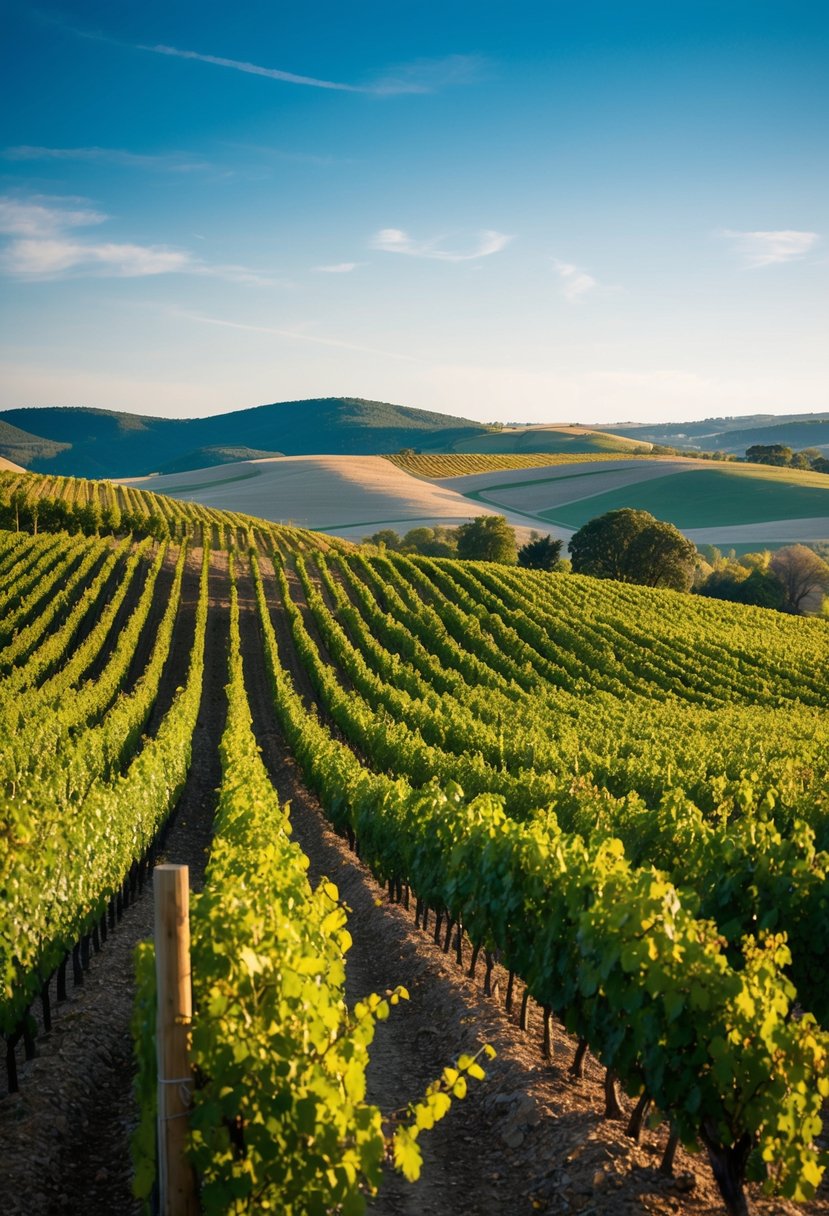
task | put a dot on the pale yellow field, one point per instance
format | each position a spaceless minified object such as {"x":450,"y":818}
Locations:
{"x":349,"y":496}
{"x":354,"y":496}
{"x":10,"y":466}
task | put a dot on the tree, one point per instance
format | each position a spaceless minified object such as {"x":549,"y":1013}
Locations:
{"x":431,"y":542}
{"x":540,"y":553}
{"x":634,"y":547}
{"x":386,"y":538}
{"x":803,"y":575}
{"x":769,"y":453}
{"x":735,"y":583}
{"x":487,"y":538}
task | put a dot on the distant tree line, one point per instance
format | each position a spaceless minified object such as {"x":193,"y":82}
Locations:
{"x":632,"y":546}
{"x":792,"y":579}
{"x":487,"y":538}
{"x":782,"y":456}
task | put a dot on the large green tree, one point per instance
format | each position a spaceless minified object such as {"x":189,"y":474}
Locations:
{"x":634,"y":547}
{"x":487,"y":538}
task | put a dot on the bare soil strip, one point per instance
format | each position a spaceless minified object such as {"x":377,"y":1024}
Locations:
{"x":65,"y":1135}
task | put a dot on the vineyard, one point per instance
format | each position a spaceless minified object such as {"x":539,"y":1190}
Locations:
{"x":607,"y":806}
{"x":437,"y":465}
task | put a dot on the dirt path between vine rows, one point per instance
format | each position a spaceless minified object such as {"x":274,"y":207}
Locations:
{"x":530,"y":1138}
{"x":65,"y":1135}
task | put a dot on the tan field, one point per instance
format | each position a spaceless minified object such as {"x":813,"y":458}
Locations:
{"x":348,"y":496}
{"x":355,"y":496}
{"x":10,"y":467}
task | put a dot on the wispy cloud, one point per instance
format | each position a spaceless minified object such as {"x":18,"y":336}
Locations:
{"x":394,"y":240}
{"x":337,"y":268}
{"x":44,"y":246}
{"x":253,"y":69}
{"x":420,"y":76}
{"x":171,"y":162}
{"x":429,"y":75}
{"x":294,"y":335}
{"x":51,"y":259}
{"x":31,"y":218}
{"x":757,"y":249}
{"x":574,"y":281}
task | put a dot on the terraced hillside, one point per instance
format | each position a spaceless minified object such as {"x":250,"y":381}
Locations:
{"x":596,"y":820}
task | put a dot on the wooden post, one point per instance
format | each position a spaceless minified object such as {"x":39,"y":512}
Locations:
{"x":177,"y":1181}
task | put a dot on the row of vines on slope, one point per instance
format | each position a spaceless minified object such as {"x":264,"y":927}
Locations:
{"x":615,"y":949}
{"x":279,"y":1120}
{"x":82,"y":796}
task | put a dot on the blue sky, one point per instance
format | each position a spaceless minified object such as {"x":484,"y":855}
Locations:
{"x":532,"y":212}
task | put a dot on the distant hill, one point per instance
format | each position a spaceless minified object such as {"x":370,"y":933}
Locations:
{"x":21,"y":447}
{"x":736,"y":434}
{"x":88,"y":442}
{"x":208,"y":458}
{"x":549,"y":439}
{"x":104,"y":443}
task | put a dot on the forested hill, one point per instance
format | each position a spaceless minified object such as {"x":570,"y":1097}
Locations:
{"x":734,"y":435}
{"x":105,"y":443}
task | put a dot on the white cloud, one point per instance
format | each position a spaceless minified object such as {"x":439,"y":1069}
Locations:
{"x":337,"y":268}
{"x":51,"y":258}
{"x":575,"y":282}
{"x":771,"y":248}
{"x":173,"y":162}
{"x":420,"y":76}
{"x":394,"y":240}
{"x":44,"y":247}
{"x":30,"y":218}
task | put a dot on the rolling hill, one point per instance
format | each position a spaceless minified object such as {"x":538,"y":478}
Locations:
{"x":347,"y":496}
{"x":353,"y":496}
{"x":549,"y":439}
{"x":735,"y":434}
{"x":104,"y":443}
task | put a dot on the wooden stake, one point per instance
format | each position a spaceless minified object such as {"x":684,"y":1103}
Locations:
{"x":177,"y":1181}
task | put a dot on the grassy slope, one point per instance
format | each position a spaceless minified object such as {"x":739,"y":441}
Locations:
{"x":548,"y":439}
{"x":709,"y":498}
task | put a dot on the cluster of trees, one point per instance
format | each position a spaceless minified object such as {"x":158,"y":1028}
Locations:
{"x":793,"y":579}
{"x":634,"y":547}
{"x":487,"y":538}
{"x":780,"y":455}
{"x":19,"y":513}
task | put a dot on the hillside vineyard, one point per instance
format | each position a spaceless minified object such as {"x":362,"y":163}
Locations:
{"x":617,"y":795}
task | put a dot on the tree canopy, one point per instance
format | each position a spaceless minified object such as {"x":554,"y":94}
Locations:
{"x":487,"y":538}
{"x":634,"y":547}
{"x":540,"y":553}
{"x":804,"y":577}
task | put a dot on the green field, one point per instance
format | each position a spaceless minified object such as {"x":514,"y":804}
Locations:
{"x":547,"y":439}
{"x":703,"y":498}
